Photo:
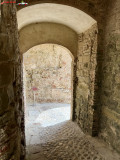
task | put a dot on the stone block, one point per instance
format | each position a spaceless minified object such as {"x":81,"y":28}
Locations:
{"x":86,"y":59}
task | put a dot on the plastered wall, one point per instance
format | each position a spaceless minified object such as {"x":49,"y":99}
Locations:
{"x":48,"y":68}
{"x":46,"y":32}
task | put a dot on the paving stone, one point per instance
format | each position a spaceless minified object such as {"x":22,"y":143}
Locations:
{"x":62,"y":141}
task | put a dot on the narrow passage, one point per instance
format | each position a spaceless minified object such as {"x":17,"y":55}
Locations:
{"x":51,"y":135}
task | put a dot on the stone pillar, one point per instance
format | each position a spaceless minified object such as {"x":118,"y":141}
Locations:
{"x":11,"y":111}
{"x":85,"y":73}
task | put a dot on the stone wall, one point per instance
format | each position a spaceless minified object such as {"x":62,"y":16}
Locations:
{"x":10,"y":78}
{"x":110,"y":93}
{"x":48,"y":68}
{"x":97,"y":10}
{"x":11,"y":111}
{"x":86,"y":64}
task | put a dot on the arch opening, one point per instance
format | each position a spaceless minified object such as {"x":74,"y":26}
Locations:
{"x":69,"y":16}
{"x":45,"y":32}
{"x":83,"y":46}
{"x":48,"y":89}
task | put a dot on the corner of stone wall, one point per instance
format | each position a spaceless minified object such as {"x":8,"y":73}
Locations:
{"x":86,"y":65}
{"x":11,"y":109}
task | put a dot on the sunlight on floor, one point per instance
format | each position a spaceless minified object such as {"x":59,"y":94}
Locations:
{"x":53,"y":116}
{"x":42,"y":116}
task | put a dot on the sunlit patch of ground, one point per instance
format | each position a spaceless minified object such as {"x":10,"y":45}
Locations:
{"x":40,"y":116}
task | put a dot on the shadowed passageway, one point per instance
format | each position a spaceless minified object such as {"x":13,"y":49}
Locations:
{"x":51,"y":135}
{"x":90,"y":31}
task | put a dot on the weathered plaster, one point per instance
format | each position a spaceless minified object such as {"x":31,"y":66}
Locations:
{"x":72,"y":17}
{"x":40,"y":33}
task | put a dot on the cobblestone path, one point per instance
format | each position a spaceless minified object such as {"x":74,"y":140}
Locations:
{"x":62,"y":140}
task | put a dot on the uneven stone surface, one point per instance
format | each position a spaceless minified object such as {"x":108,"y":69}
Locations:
{"x":75,"y":149}
{"x":12,"y":140}
{"x":85,"y":84}
{"x":48,"y":67}
{"x":55,"y":137}
{"x":110,"y":93}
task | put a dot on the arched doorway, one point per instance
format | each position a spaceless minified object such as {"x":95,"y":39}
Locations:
{"x":49,"y":69}
{"x":11,"y":82}
{"x":80,"y":37}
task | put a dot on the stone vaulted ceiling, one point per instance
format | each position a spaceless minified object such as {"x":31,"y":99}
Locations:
{"x":55,"y":13}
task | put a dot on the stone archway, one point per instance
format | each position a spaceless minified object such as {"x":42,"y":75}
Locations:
{"x":12,"y":117}
{"x":48,"y":67}
{"x":97,"y":10}
{"x":81,"y":41}
{"x":51,"y":36}
{"x":91,"y":8}
{"x":41,"y":33}
{"x":13,"y":84}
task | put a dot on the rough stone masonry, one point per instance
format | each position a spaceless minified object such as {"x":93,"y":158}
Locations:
{"x":11,"y":111}
{"x":86,"y":64}
{"x":106,"y":104}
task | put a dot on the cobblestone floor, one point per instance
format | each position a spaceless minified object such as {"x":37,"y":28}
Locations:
{"x":50,"y":135}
